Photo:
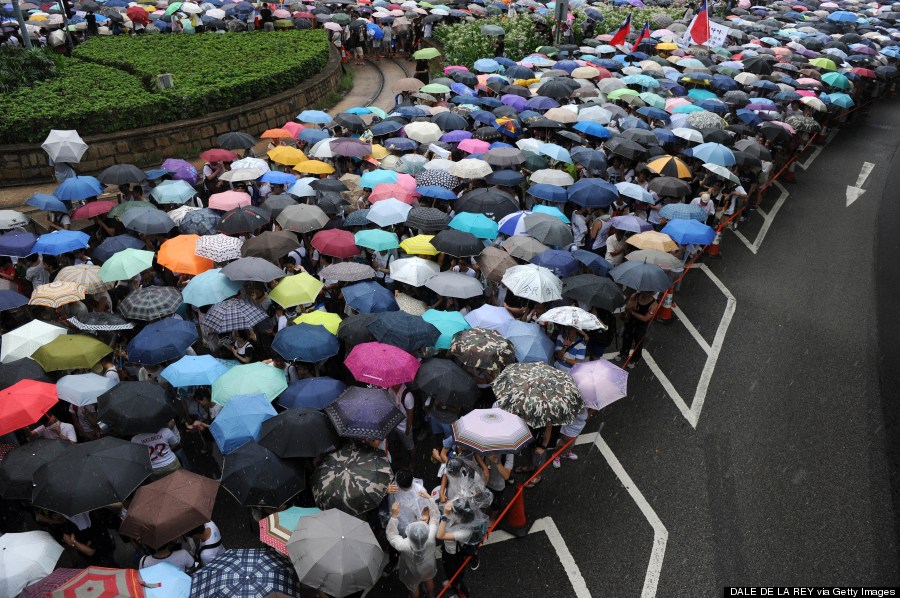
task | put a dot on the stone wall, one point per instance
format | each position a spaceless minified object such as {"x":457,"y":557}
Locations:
{"x":149,"y":146}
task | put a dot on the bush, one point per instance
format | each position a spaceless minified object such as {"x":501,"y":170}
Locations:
{"x":110,"y":83}
{"x":614,"y":16}
{"x":22,"y":68}
{"x":464,"y":43}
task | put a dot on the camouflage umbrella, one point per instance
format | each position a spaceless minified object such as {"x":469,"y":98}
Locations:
{"x":353,"y":479}
{"x":538,"y":393}
{"x":483,"y":349}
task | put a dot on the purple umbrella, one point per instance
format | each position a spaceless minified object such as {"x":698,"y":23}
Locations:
{"x":629,"y":223}
{"x":181,"y":170}
{"x":456,"y":136}
{"x":600,"y":382}
{"x":462,"y":90}
{"x":367,"y":413}
{"x":514,"y":101}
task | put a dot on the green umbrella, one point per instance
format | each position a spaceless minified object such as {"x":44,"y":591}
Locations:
{"x":173,"y":8}
{"x":248,"y":379}
{"x":120,"y":209}
{"x":426,"y":54}
{"x":70,"y":352}
{"x":341,"y":18}
{"x":126,"y":264}
{"x":435,"y":88}
{"x":295,"y":290}
{"x":379,"y":240}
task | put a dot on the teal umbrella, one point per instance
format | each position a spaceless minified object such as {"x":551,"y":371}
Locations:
{"x":173,"y":192}
{"x":448,"y":322}
{"x":477,"y":224}
{"x":379,"y":240}
{"x":209,"y":287}
{"x":249,"y":379}
{"x":194,"y":370}
{"x":126,"y":264}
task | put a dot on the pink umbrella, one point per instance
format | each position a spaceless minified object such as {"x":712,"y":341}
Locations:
{"x":282,"y":14}
{"x":386,"y":190}
{"x":381,"y":365}
{"x":228,"y":200}
{"x":406,"y":181}
{"x":600,"y":382}
{"x":92,"y":209}
{"x":293,"y":128}
{"x":455,"y":67}
{"x":474,"y":146}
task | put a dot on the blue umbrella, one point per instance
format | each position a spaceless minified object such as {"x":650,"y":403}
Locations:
{"x":682,"y":211}
{"x":164,"y":580}
{"x":552,"y":211}
{"x":114,"y":245}
{"x":448,"y":322}
{"x":311,"y":393}
{"x":200,"y":222}
{"x":312,"y":136}
{"x":385,"y":127}
{"x":275,"y":177}
{"x":316,"y":117}
{"x":369,"y":297}
{"x":490,"y":317}
{"x":593,"y":129}
{"x":593,"y":261}
{"x":46,"y":202}
{"x":504,"y":178}
{"x":558,"y":261}
{"x":173,"y":192}
{"x":240,"y":421}
{"x":60,"y":241}
{"x":161,"y":341}
{"x":156,"y":173}
{"x":17,"y":243}
{"x":376,"y":177}
{"x":403,"y":330}
{"x":11,"y":300}
{"x":78,"y":188}
{"x":209,"y":287}
{"x":553,"y":193}
{"x":715,"y":153}
{"x":530,"y":341}
{"x":435,"y":191}
{"x":308,"y":343}
{"x":593,"y":193}
{"x":641,"y":276}
{"x":194,"y":370}
{"x":477,"y":224}
{"x":689,"y":232}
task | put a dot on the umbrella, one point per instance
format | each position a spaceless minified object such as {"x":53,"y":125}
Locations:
{"x":314,"y":393}
{"x":652,"y":240}
{"x":455,"y":284}
{"x":488,"y":431}
{"x":161,"y":341}
{"x":150,"y":303}
{"x":250,"y":378}
{"x":353,"y":479}
{"x":335,"y":243}
{"x":381,"y":364}
{"x":414,"y":271}
{"x":682,"y":211}
{"x":166,"y":509}
{"x":56,"y":294}
{"x":252,"y":269}
{"x":71,"y":352}
{"x":299,"y":433}
{"x":295,"y":290}
{"x":23,"y":403}
{"x":208,"y":288}
{"x":419,"y":245}
{"x":538,"y":393}
{"x":122,"y":174}
{"x":548,"y":230}
{"x":233,"y":314}
{"x":112,"y":582}
{"x":306,"y":342}
{"x":78,"y":188}
{"x":687,"y":232}
{"x":257,"y":477}
{"x":594,"y":290}
{"x":317,"y":317}
{"x":126,"y":264}
{"x":524,"y":248}
{"x":532,"y":282}
{"x":200,"y":222}
{"x":91,"y":475}
{"x":403,"y":330}
{"x":17,"y":243}
{"x":240,"y":421}
{"x":354,"y":330}
{"x":490,"y":317}
{"x":245,"y":572}
{"x":387,"y":213}
{"x":428,"y":220}
{"x":163,"y":580}
{"x":173,"y":192}
{"x":664,"y":260}
{"x":448,"y":323}
{"x":26,"y":339}
{"x":60,"y":241}
{"x":64,"y":146}
{"x":335,"y":553}
{"x":377,"y":240}
{"x":113,"y":245}
{"x":494,"y":263}
{"x":24,"y":369}
{"x":18,"y":466}
{"x":148,"y":222}
{"x":457,"y":243}
{"x":134,"y":408}
{"x":25,"y":558}
{"x":243,"y":220}
{"x":11,"y":300}
{"x":302,"y":218}
{"x":88,"y":276}
{"x":641,"y":276}
{"x":218,"y":248}
{"x":531,"y":342}
{"x":12,"y":219}
{"x":446,"y":382}
{"x":194,"y":370}
{"x":369,"y":297}
{"x":572,"y":316}
{"x":276,"y":529}
{"x":350,"y":272}
{"x":600,"y":382}
{"x":483,"y":349}
{"x":83,"y":389}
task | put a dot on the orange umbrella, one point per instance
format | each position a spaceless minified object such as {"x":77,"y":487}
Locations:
{"x":178,"y":256}
{"x":276,"y":134}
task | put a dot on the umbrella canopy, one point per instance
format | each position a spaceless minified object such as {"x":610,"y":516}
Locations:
{"x":194,"y":370}
{"x":125,"y":263}
{"x":533,"y":282}
{"x":309,"y":343}
{"x":166,"y":509}
{"x":112,"y":582}
{"x":447,"y":383}
{"x":71,"y":352}
{"x":233,"y":314}
{"x":163,"y":580}
{"x":455,"y":284}
{"x":572,"y":316}
{"x":246,"y":572}
{"x":348,"y":272}
{"x":641,"y":276}
{"x":302,"y":218}
{"x":252,"y":269}
{"x":25,"y":558}
{"x":88,"y":276}
{"x":487,"y":431}
{"x":403,"y":330}
{"x":276,"y":529}
{"x":178,"y":256}
{"x":122,"y":174}
{"x":134,"y":408}
{"x":483,"y":349}
{"x":596,"y":291}
{"x":219,"y":248}
{"x":18,"y":466}
{"x":83,"y":389}
{"x":353,"y":479}
{"x":314,"y":393}
{"x":335,"y":553}
{"x":448,"y":323}
{"x":11,"y":300}
{"x":64,"y":146}
{"x":148,"y":222}
{"x":531,"y":342}
{"x":299,"y":433}
{"x":381,"y":364}
{"x":150,"y":303}
{"x":23,"y":403}
{"x":246,"y":379}
{"x":270,"y":245}
{"x":257,"y":477}
{"x":56,"y":294}
{"x":295,"y":290}
{"x":24,"y":369}
{"x":209,"y":287}
{"x":600,"y":382}
{"x":538,"y":393}
{"x":90,"y":475}
{"x":161,"y":341}
{"x":414,"y":271}
{"x":26,"y":339}
{"x":369,"y":297}
{"x":240,"y":421}
{"x":366,"y":413}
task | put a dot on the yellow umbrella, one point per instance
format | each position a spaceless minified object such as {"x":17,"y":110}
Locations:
{"x":297,"y":289}
{"x":285,"y":154}
{"x":666,"y":46}
{"x":419,"y":245}
{"x":56,"y":294}
{"x":379,"y":152}
{"x":86,"y":275}
{"x":653,"y":240}
{"x":70,"y":352}
{"x":318,"y":317}
{"x":313,"y":167}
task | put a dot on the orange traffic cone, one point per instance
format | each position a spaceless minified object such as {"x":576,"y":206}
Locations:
{"x":516,"y":522}
{"x":713,"y":249}
{"x":664,"y":313}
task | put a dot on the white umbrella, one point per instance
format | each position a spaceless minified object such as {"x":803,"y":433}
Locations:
{"x":533,"y":282}
{"x":322,"y":149}
{"x":215,"y":13}
{"x":722,"y":172}
{"x":413,"y":271}
{"x":423,"y":132}
{"x":596,"y":114}
{"x":529,"y":145}
{"x":83,"y":389}
{"x":549,"y":176}
{"x":301,"y":188}
{"x":25,"y":340}
{"x":439,"y":164}
{"x":242,"y":174}
{"x":250,"y":163}
{"x":12,"y":219}
{"x":191,"y":8}
{"x":388,"y":211}
{"x":178,"y":214}
{"x":471,"y":168}
{"x":26,"y":558}
{"x":64,"y":146}
{"x":219,"y":248}
{"x":572,"y":316}
{"x":455,"y":284}
{"x":688,"y":134}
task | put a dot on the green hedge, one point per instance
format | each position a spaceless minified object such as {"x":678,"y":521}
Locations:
{"x":110,"y":83}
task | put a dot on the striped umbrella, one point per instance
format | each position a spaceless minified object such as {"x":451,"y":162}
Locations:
{"x":275,"y":530}
{"x":491,"y":431}
{"x":99,"y":321}
{"x":150,"y":303}
{"x":56,"y":294}
{"x":86,"y":275}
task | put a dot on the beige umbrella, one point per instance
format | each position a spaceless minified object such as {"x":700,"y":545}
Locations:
{"x":561,"y":115}
{"x":471,"y":169}
{"x":242,"y":174}
{"x":408,"y":85}
{"x":653,"y":240}
{"x":664,"y":260}
{"x":87,"y":276}
{"x":523,"y":247}
{"x":586,"y":72}
{"x":423,"y":132}
{"x":56,"y":294}
{"x":550,"y":176}
{"x":494,"y":263}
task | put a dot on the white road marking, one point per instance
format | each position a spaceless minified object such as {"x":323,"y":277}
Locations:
{"x":854,"y":192}
{"x":670,"y":389}
{"x":692,"y":329}
{"x":767,"y":221}
{"x":812,"y":158}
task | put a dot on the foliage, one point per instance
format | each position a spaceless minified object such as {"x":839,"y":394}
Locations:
{"x":110,"y":83}
{"x":22,"y":68}
{"x":614,"y":16}
{"x":464,"y":43}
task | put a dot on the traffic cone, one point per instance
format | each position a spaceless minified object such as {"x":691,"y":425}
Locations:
{"x":516,"y":522}
{"x":664,"y":313}
{"x":713,"y":249}
{"x":788,"y":174}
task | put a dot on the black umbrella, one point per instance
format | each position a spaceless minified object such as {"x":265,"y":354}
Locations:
{"x":457,"y":243}
{"x":366,"y":413}
{"x":276,"y":203}
{"x":257,"y":477}
{"x":18,"y":466}
{"x":299,"y":433}
{"x":91,"y":475}
{"x":270,"y":245}
{"x":22,"y":369}
{"x":403,"y":330}
{"x":667,"y":186}
{"x":555,"y":88}
{"x":244,"y":219}
{"x":122,"y":174}
{"x":447,"y":383}
{"x":596,"y":291}
{"x":629,"y":150}
{"x":450,"y":121}
{"x":427,"y":220}
{"x":328,"y":185}
{"x":134,"y":408}
{"x":252,"y":268}
{"x":351,"y":122}
{"x":759,"y":65}
{"x":355,"y":330}
{"x":493,"y":203}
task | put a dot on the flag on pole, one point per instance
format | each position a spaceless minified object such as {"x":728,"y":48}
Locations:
{"x":700,"y":28}
{"x":645,"y":33}
{"x":619,"y":38}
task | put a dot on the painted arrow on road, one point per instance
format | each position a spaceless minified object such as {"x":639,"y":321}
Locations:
{"x":854,"y":192}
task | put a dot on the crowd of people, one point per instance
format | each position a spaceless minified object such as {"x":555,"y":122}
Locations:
{"x":433,"y":299}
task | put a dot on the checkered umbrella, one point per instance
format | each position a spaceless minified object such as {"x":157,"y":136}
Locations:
{"x":246,"y":573}
{"x":233,"y":314}
{"x":150,"y":303}
{"x":200,"y":222}
{"x":428,"y":220}
{"x":440,"y":178}
{"x":683,"y":211}
{"x":219,"y":248}
{"x":86,"y":275}
{"x":357,"y":218}
{"x":347,"y":272}
{"x":99,"y":321}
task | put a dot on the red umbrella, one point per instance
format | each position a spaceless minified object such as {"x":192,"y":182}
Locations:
{"x":386,"y":190}
{"x":93,"y":209}
{"x":137,"y":14}
{"x":24,"y":403}
{"x":336,"y":243}
{"x":101,"y":582}
{"x":303,"y":14}
{"x":219,"y":155}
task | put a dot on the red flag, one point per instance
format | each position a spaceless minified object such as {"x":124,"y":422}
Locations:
{"x":645,"y":33}
{"x":700,"y":28}
{"x":619,"y":38}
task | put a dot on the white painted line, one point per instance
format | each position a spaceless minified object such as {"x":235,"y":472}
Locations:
{"x":767,"y":221}
{"x":670,"y":389}
{"x":762,"y":212}
{"x":692,"y":329}
{"x":854,"y":192}
{"x":812,"y":158}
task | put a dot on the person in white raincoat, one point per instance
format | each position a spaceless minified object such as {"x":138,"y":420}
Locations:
{"x":417,"y":560}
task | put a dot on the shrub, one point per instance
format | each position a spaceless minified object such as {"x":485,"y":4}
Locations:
{"x":22,"y":68}
{"x":464,"y":43}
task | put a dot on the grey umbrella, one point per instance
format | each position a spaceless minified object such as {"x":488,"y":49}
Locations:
{"x":336,"y":553}
{"x":428,"y":220}
{"x":641,"y":276}
{"x":253,"y":268}
{"x":148,"y":222}
{"x":549,"y":230}
{"x":302,"y":218}
{"x":276,"y":203}
{"x":122,"y":174}
{"x":347,"y":272}
{"x":455,"y":284}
